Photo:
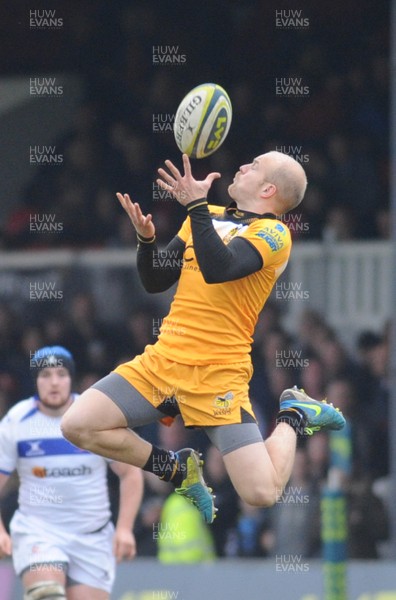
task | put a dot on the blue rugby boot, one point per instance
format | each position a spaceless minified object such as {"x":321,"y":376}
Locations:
{"x":193,"y":486}
{"x":319,"y":416}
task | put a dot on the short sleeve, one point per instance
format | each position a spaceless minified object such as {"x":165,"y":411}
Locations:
{"x":8,"y":449}
{"x":271,"y":239}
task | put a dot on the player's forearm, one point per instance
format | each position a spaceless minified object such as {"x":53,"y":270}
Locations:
{"x":131,"y":494}
{"x":159,"y":269}
{"x":219,"y":263}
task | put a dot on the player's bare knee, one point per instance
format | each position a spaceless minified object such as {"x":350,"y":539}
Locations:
{"x":262,"y":497}
{"x":74,"y":430}
{"x":45,"y":590}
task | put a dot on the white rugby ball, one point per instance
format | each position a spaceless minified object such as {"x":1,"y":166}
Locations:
{"x":203,"y":120}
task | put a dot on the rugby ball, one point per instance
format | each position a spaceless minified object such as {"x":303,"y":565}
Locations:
{"x":203,"y":120}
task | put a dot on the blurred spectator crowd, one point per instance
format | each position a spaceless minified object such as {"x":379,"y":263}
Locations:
{"x":334,"y":119}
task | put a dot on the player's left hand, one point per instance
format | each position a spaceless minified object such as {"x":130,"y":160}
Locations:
{"x":184,"y":188}
{"x":124,"y":545}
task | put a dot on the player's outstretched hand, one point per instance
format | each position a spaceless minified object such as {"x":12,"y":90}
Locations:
{"x":124,"y":544}
{"x":5,"y":544}
{"x":184,"y":188}
{"x":142,"y":223}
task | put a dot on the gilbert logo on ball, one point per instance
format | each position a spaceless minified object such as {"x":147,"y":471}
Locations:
{"x":203,"y":120}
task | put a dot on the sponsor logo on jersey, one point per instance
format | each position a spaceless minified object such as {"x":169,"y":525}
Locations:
{"x":61,"y":471}
{"x":189,"y":257}
{"x":55,"y":446}
{"x":272,"y":237}
{"x":35,"y":449}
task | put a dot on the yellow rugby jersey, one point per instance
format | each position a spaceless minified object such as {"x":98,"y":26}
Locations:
{"x":214,"y":323}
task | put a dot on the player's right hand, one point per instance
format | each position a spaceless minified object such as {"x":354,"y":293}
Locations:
{"x":184,"y":188}
{"x":142,"y":223}
{"x":5,"y":545}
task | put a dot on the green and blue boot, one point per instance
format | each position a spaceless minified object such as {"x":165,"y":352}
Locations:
{"x":193,"y":486}
{"x":319,"y":416}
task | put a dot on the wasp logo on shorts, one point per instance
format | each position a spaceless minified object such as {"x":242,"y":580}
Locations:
{"x":222,"y":404}
{"x":224,"y":401}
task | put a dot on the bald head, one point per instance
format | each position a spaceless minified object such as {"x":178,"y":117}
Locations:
{"x":289,"y":178}
{"x":273,"y":182}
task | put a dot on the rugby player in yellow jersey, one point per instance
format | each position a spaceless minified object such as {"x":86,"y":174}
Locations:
{"x":226,"y":262}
